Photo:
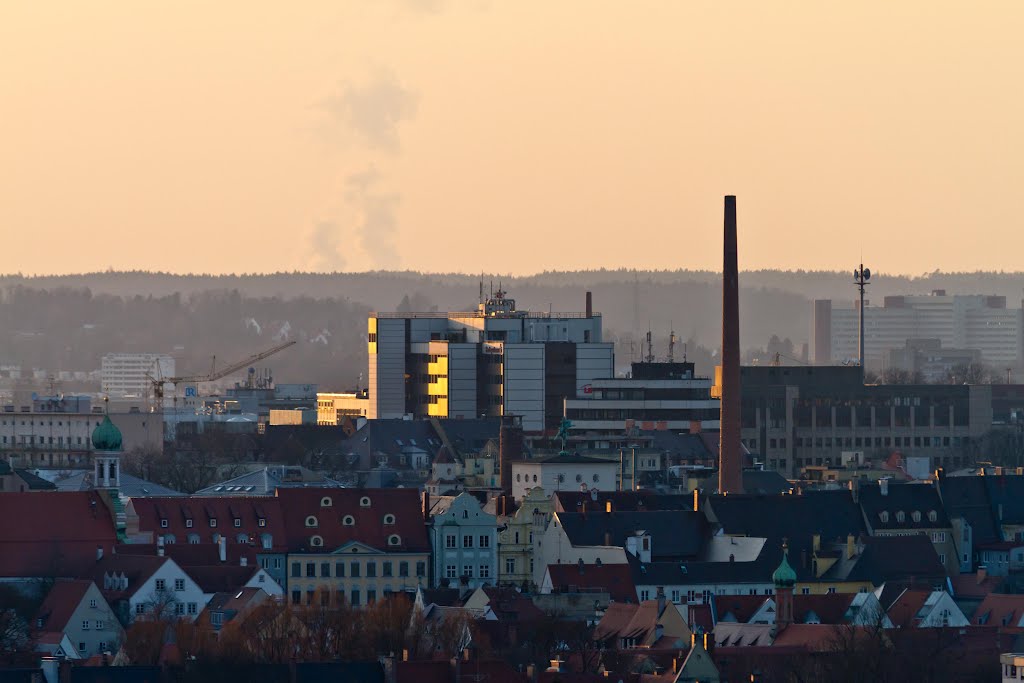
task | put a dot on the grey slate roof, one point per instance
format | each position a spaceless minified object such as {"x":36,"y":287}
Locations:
{"x":967,"y":497}
{"x":898,"y":558}
{"x":906,"y":498}
{"x":131,"y":486}
{"x":675,"y":534}
{"x":264,"y":481}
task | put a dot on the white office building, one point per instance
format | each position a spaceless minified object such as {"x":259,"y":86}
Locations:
{"x":128,"y":374}
{"x":983,"y":323}
{"x":494,"y":361}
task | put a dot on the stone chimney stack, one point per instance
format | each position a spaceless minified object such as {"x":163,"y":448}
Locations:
{"x":730,"y":465}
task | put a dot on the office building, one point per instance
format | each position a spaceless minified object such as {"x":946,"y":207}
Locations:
{"x":333,"y":407}
{"x":129,"y":374}
{"x":979,"y":322}
{"x":494,"y":361}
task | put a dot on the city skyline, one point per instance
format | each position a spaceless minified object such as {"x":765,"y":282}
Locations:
{"x":342,"y":136}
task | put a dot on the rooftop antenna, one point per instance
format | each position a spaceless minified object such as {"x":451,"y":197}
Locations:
{"x":861,"y":276}
{"x":481,"y":297}
{"x":684,"y":352}
{"x":649,"y":358}
{"x":671,"y":343}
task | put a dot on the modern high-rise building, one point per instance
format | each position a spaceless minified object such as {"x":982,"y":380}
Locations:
{"x":979,"y":322}
{"x":128,"y":374}
{"x":494,"y":361}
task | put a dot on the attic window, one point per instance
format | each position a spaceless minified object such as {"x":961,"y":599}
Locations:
{"x":163,"y":523}
{"x":316,"y":541}
{"x":311,"y":521}
{"x":326,"y":502}
{"x":901,"y":516}
{"x":932,"y":515}
{"x":884,"y":516}
{"x":238,"y":523}
{"x":213,"y":522}
{"x":394,"y":539}
{"x":916,"y":515}
{"x":364,"y":502}
{"x":262,"y":522}
{"x":188,"y":523}
{"x":349,"y":520}
{"x":389,"y":519}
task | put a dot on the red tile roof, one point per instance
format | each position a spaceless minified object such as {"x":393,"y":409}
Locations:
{"x":810,"y":637}
{"x":903,"y":612}
{"x":136,"y":568}
{"x":48,"y":534}
{"x":60,"y":604}
{"x":741,"y":607}
{"x":176,"y":511}
{"x":224,"y":578}
{"x":508,"y":604}
{"x":368,"y":526}
{"x":199,"y":555}
{"x":1000,"y":610}
{"x":971,"y":586}
{"x":615,"y":579}
{"x":830,"y":608}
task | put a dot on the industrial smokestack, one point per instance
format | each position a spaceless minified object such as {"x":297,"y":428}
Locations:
{"x":730,"y":465}
{"x":590,"y":305}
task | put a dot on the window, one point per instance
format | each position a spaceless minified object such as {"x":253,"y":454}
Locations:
{"x":193,"y":608}
{"x":348,"y":520}
{"x":510,"y":565}
{"x":450,"y":571}
{"x":675,"y":596}
{"x":485,"y":571}
{"x":371,"y":569}
{"x":179,"y":584}
{"x":883,"y":516}
{"x":81,"y":647}
{"x":386,"y":568}
{"x":238,"y":523}
{"x":645,"y":594}
{"x":213,"y":522}
{"x":262,"y":522}
{"x":296,"y":597}
{"x":311,"y":521}
{"x":467,"y":541}
{"x":326,"y":502}
{"x":932,"y":516}
{"x":92,"y":604}
{"x":467,"y":571}
{"x":916,"y":516}
{"x":296,"y":569}
{"x":163,"y":523}
{"x":403,"y":569}
{"x":389,"y":519}
{"x":900,"y":516}
{"x":85,"y":624}
{"x":355,"y":597}
{"x":310,"y":570}
{"x":339,"y":569}
{"x":242,"y":538}
{"x":161,"y":584}
{"x":188,"y":523}
{"x":325,"y":569}
{"x":938,"y":537}
{"x":805,"y":591}
{"x":421,"y":569}
{"x":485,"y":541}
{"x":354,"y":570}
{"x":103,"y":646}
{"x":449,"y":541}
{"x":140,"y":608}
{"x":394,"y":539}
{"x":942,"y":558}
{"x":316,"y":541}
{"x":179,"y":609}
{"x":364,"y":502}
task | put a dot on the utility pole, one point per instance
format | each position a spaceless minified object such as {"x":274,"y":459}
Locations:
{"x":861,"y":276}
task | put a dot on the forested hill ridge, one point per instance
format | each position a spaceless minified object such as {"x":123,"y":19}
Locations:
{"x":68,"y":322}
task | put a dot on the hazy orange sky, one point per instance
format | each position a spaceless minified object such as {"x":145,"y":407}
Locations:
{"x":509,"y":135}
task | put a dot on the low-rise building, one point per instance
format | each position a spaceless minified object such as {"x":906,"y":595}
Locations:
{"x":75,"y":612}
{"x":562,"y":472}
{"x":516,"y":562}
{"x":465,"y":542}
{"x":147,"y":587}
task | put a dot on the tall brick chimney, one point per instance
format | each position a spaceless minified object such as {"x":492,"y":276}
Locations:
{"x":730,"y":464}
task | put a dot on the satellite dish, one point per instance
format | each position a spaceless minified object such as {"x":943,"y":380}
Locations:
{"x":867,"y":273}
{"x":856,"y":274}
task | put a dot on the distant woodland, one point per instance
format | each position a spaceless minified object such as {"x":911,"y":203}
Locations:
{"x":69,"y":322}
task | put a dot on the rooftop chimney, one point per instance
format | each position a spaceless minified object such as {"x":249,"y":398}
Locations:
{"x":730,"y":465}
{"x":159,"y":546}
{"x":590,"y":305}
{"x":222,"y":548}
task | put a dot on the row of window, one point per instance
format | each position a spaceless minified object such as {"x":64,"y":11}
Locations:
{"x":484,"y":571}
{"x":326,"y":598}
{"x":510,"y":565}
{"x":347,"y":520}
{"x":99,"y":623}
{"x":450,"y":541}
{"x":180,"y":608}
{"x":355,"y":569}
{"x":23,"y":439}
{"x":190,"y":523}
{"x":161,"y":584}
{"x":266,"y":540}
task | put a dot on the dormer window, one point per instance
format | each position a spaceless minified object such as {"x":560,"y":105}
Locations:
{"x":163,"y":523}
{"x":311,"y":521}
{"x":213,"y":522}
{"x":326,"y":502}
{"x":188,"y":523}
{"x":915,"y":515}
{"x":933,"y":516}
{"x":348,"y":520}
{"x":884,"y":516}
{"x":394,"y":539}
{"x":262,"y":522}
{"x":238,"y":523}
{"x":364,"y":502}
{"x":316,"y":542}
{"x":389,"y":519}
{"x":900,"y":516}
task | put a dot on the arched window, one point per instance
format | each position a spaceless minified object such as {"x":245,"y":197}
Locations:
{"x":311,"y":521}
{"x":932,"y":516}
{"x":364,"y":502}
{"x":169,"y":539}
{"x":883,"y":516}
{"x":242,"y":538}
{"x":579,"y":478}
{"x":316,"y":541}
{"x":389,"y":519}
{"x":900,"y":516}
{"x":326,"y":502}
{"x":916,"y":516}
{"x":348,"y":520}
{"x":267,"y":541}
{"x":193,"y":539}
{"x":394,"y":539}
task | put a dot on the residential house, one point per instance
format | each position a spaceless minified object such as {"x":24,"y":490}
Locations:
{"x":224,"y":608}
{"x":652,"y":624}
{"x":354,"y":544}
{"x":894,"y":508}
{"x":926,"y":609}
{"x":644,"y":500}
{"x":75,"y":612}
{"x":560,"y":472}
{"x":614,"y":579}
{"x":516,"y":540}
{"x":465,"y":542}
{"x":54,"y":534}
{"x":1003,"y":611}
{"x":243,"y":522}
{"x":147,"y":587}
{"x":855,"y":609}
{"x":266,"y":479}
{"x":445,"y":475}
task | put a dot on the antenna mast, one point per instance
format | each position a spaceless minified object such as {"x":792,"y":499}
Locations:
{"x":671,"y":344}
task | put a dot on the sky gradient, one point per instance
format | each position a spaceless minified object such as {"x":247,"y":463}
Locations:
{"x":478,"y":135}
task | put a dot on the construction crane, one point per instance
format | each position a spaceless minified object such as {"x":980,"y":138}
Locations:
{"x":214,"y":374}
